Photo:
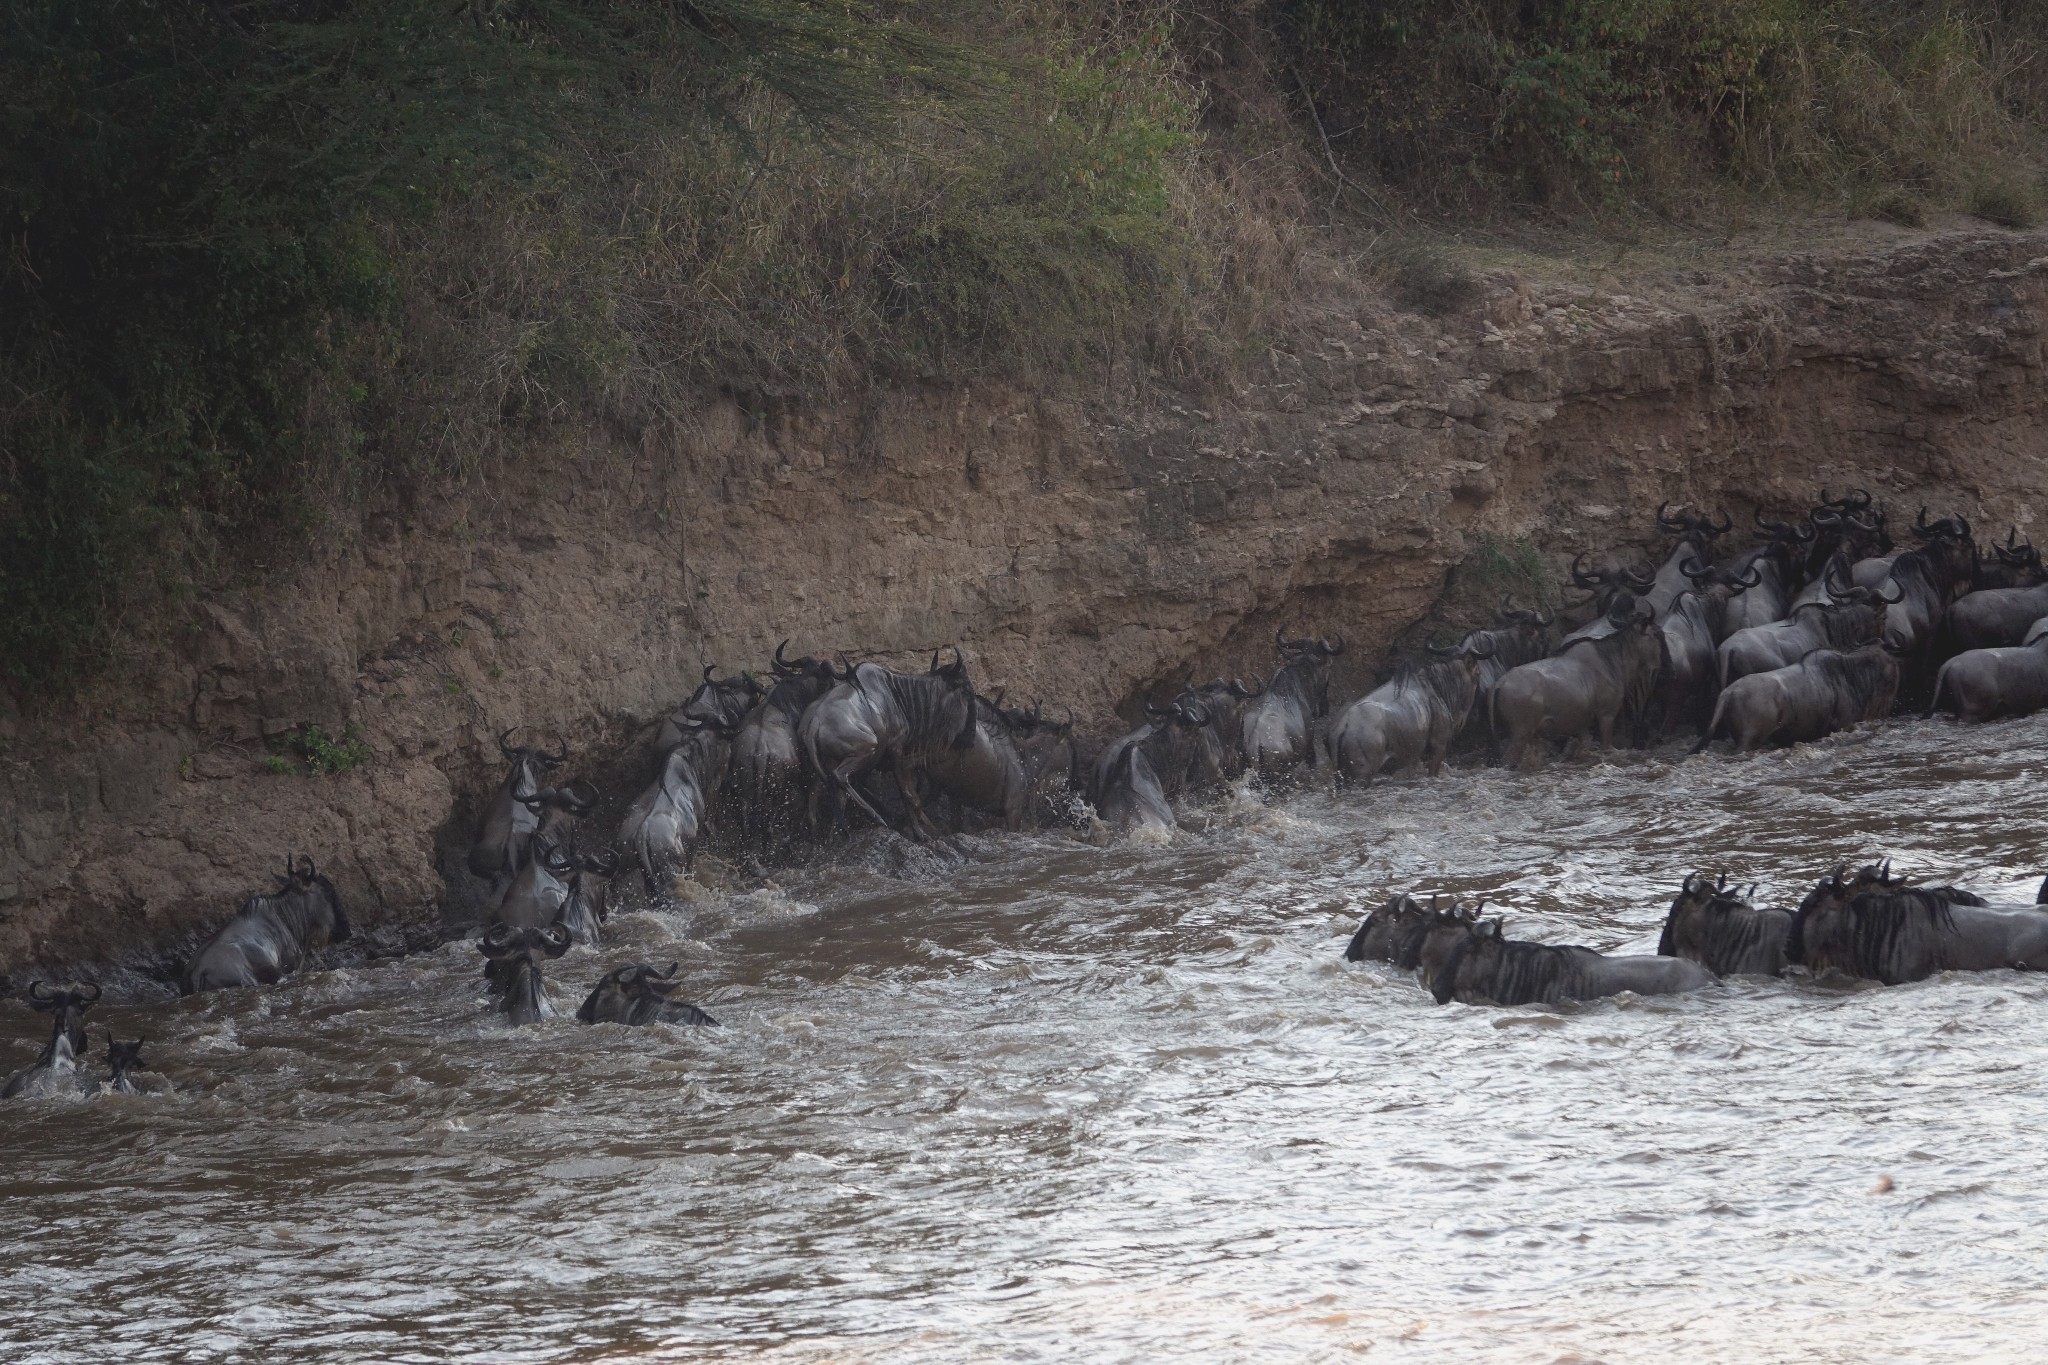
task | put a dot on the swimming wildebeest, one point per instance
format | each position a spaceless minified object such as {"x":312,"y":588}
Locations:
{"x":508,"y":822}
{"x":1412,"y":718}
{"x":1879,"y":928}
{"x":767,"y":766}
{"x":1278,"y":729}
{"x":55,"y":1070}
{"x":1125,"y":789}
{"x":999,"y":774}
{"x":1851,"y":617}
{"x":1826,"y":691}
{"x":1489,"y":968}
{"x":1410,"y":934}
{"x":536,"y":894}
{"x":1215,"y":756}
{"x":1591,"y":686}
{"x":1717,"y":926}
{"x":874,"y":719}
{"x":513,"y":967}
{"x":584,"y":908}
{"x":271,"y":936}
{"x":1984,"y":684}
{"x":123,"y":1059}
{"x":637,"y":994}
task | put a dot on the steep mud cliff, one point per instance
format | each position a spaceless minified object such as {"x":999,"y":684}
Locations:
{"x":1079,"y":547}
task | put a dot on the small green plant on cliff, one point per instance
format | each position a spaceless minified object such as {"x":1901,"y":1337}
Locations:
{"x":321,"y":754}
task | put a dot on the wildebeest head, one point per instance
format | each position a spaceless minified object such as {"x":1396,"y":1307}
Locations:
{"x":1508,"y":614}
{"x":1699,"y":528}
{"x":514,"y":963}
{"x":66,"y":1009}
{"x":2015,"y":564}
{"x":557,"y":809}
{"x":638,"y":994}
{"x":534,"y":761}
{"x":122,"y":1058}
{"x":310,"y":900}
{"x":961,"y":688}
{"x":1606,"y":583}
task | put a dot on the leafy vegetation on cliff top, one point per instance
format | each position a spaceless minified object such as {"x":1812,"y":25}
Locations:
{"x":269,"y":264}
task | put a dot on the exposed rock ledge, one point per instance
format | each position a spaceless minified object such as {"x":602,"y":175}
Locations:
{"x":1077,"y":549}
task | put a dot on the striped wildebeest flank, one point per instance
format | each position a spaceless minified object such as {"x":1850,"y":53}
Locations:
{"x":1991,"y":617}
{"x":512,"y":964}
{"x":508,"y":822}
{"x":1411,"y":718}
{"x":874,"y":719}
{"x":1487,"y":967}
{"x":55,"y":1069}
{"x":1277,"y":732}
{"x":1593,"y":686}
{"x":1719,"y":927}
{"x":638,"y":994}
{"x":1879,"y":928}
{"x":271,"y":936}
{"x":1826,"y":691}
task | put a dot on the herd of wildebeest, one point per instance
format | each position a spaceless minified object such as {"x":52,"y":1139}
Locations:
{"x":1817,"y":626}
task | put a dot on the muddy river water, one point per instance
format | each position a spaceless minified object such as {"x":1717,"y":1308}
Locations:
{"x":1062,"y":1102}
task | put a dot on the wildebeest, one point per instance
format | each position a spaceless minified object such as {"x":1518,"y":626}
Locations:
{"x":513,"y":966}
{"x":556,"y":811}
{"x":1853,"y":617}
{"x":122,"y":1059}
{"x":874,"y":718}
{"x":721,"y":703}
{"x":1518,"y":635}
{"x":1720,"y":587}
{"x":1696,"y":535}
{"x":1993,"y":617}
{"x":1126,"y":791}
{"x":1278,"y":728}
{"x":1215,"y":755}
{"x":1001,"y":771}
{"x":1881,"y":929}
{"x":508,"y":822}
{"x":1984,"y":684}
{"x":1605,"y":586}
{"x":1826,"y":691}
{"x":1410,"y":934}
{"x":1774,"y":567}
{"x":1717,"y":926}
{"x":664,"y":823}
{"x":1927,"y":581}
{"x":1412,"y":718}
{"x":1591,"y":686}
{"x":55,"y":1070}
{"x":637,"y":994}
{"x":584,"y":909}
{"x":271,"y":936}
{"x":1688,"y":679}
{"x":1490,"y":968}
{"x":767,"y":765}
{"x":536,"y":894}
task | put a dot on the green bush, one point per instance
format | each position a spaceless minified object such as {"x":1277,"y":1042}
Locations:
{"x":321,"y":754}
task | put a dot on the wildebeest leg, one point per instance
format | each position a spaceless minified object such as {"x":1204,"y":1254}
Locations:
{"x":843,"y":785}
{"x":917,"y":824}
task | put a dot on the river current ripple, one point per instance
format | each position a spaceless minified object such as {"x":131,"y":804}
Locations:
{"x":1063,"y":1102}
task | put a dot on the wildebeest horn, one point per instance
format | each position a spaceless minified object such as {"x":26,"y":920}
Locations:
{"x":1580,"y":576}
{"x":1858,"y":499}
{"x":1472,"y":647}
{"x":1963,"y":527}
{"x":40,"y":992}
{"x":1920,"y":522}
{"x":1545,"y":616}
{"x":496,"y":939}
{"x":1156,"y":712}
{"x":1680,"y":522}
{"x":1899,"y":592}
{"x":554,"y":939}
{"x":1835,"y":578}
{"x":709,"y":669}
{"x":1756,"y":576}
{"x":504,"y":747}
{"x":1708,"y":529}
{"x":1638,"y":581}
{"x":307,"y":872}
{"x":1333,"y":650}
{"x":560,"y":756}
{"x":1687,"y":885}
{"x":1823,"y":516}
{"x":88,"y":999}
{"x":783,"y":665}
{"x":1693,"y":569}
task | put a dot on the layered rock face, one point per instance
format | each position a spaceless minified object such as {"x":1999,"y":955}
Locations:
{"x":1079,"y":548}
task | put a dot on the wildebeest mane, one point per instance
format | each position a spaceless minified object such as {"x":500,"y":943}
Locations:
{"x":1445,"y":681}
{"x":1886,"y":927}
